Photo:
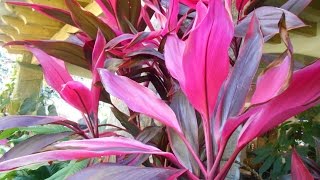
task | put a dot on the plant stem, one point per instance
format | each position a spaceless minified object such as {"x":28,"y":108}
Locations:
{"x":222,"y":174}
{"x":208,"y":141}
{"x":216,"y":164}
{"x":88,"y":123}
{"x":195,"y":156}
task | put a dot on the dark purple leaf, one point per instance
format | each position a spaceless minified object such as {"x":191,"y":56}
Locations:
{"x":66,"y":51}
{"x":269,"y":18}
{"x":33,"y":145}
{"x":128,"y":10}
{"x":146,"y":52}
{"x":188,"y":121}
{"x":88,"y":22}
{"x":118,"y":172}
{"x":24,"y":121}
{"x":58,"y":14}
{"x":245,"y":68}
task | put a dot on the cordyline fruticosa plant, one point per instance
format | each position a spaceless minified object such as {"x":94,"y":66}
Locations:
{"x":202,"y":64}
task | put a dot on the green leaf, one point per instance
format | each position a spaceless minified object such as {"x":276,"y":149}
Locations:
{"x":69,"y":170}
{"x":41,"y":111}
{"x":52,"y":110}
{"x":28,"y":105}
{"x":267,"y":164}
{"x":8,"y":132}
{"x":46,"y":129}
{"x":277,"y":166}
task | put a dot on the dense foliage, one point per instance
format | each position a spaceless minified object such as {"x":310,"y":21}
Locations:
{"x":202,"y":65}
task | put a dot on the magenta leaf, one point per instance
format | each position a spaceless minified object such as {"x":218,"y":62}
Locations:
{"x":302,"y":93}
{"x":52,"y":12}
{"x":173,"y":52}
{"x":139,"y":98}
{"x":298,"y":169}
{"x":33,"y":145}
{"x":54,"y":70}
{"x":98,"y":58}
{"x":269,"y":18}
{"x":172,"y":15}
{"x":244,"y":70}
{"x":8,"y":122}
{"x":296,"y":6}
{"x":208,"y":42}
{"x":90,"y":148}
{"x":274,"y":80}
{"x":77,"y":95}
{"x":108,"y":7}
{"x":120,"y":172}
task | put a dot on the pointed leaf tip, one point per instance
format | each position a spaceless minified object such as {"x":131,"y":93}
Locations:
{"x":298,"y":170}
{"x":139,"y":98}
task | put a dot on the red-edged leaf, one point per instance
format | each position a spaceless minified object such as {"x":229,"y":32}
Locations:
{"x":188,"y":122}
{"x":87,"y":21}
{"x":139,"y":98}
{"x":80,"y":149}
{"x":66,"y":51}
{"x":245,"y":68}
{"x":55,"y":13}
{"x":54,"y":70}
{"x":240,"y":4}
{"x":208,"y":42}
{"x":269,"y":18}
{"x":274,"y":80}
{"x":172,"y":15}
{"x":119,"y":39}
{"x":33,"y":145}
{"x":98,"y":58}
{"x":302,"y":93}
{"x":24,"y":121}
{"x":298,"y":169}
{"x":128,"y":10}
{"x":78,"y":96}
{"x":118,"y":172}
{"x":296,"y":6}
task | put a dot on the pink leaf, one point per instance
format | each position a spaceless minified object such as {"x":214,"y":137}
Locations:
{"x":173,"y":52}
{"x":274,"y":80}
{"x":172,"y":15}
{"x":98,"y":58}
{"x":298,"y":169}
{"x":108,"y":8}
{"x":80,"y":149}
{"x":205,"y":58}
{"x":77,"y":95}
{"x":139,"y":98}
{"x":54,"y":70}
{"x":303,"y":93}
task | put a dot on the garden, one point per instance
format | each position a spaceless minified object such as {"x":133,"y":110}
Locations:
{"x":176,"y":90}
